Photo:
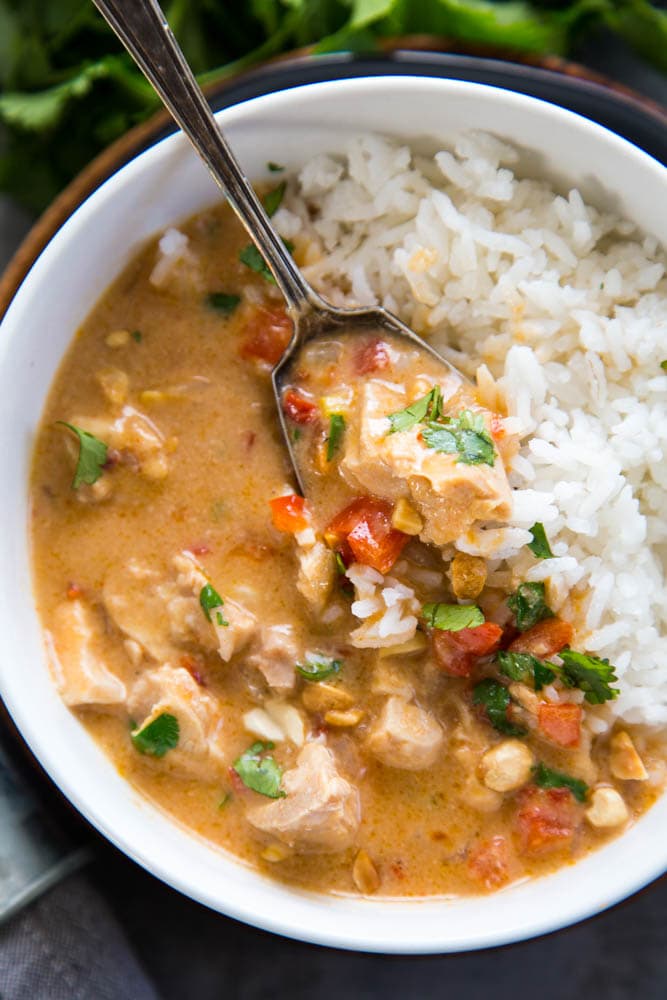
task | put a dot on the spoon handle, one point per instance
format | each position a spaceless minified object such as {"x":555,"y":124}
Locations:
{"x":142,"y":28}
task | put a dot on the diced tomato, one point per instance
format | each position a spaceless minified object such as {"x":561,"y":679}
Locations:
{"x":497,"y":427}
{"x":267,"y":333}
{"x":372,"y":357}
{"x":457,"y":652}
{"x":560,"y":723}
{"x":299,"y":408}
{"x":546,"y":819}
{"x":364,"y":530}
{"x":544,"y":639}
{"x":489,"y":862}
{"x":73,"y":591}
{"x":193,"y":665}
{"x":235,"y":781}
{"x":290,"y":513}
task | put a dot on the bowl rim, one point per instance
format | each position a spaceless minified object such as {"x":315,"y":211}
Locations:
{"x":648,"y":866}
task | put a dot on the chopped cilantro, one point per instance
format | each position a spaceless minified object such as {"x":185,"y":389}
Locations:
{"x":465,"y":435}
{"x":92,"y":456}
{"x":225,"y":800}
{"x":272,"y":199}
{"x":495,"y":698}
{"x":137,"y":335}
{"x":589,"y":673}
{"x":209,"y":600}
{"x":540,"y":544}
{"x":318,"y":667}
{"x":529,"y":605}
{"x":275,"y":168}
{"x":220,"y":620}
{"x":340,"y":565}
{"x":158,"y":736}
{"x":426,"y":407}
{"x":336,"y":431}
{"x":296,"y":434}
{"x":663,"y":365}
{"x":546,"y":778}
{"x":252,"y":258}
{"x":222,"y":302}
{"x":452,"y":617}
{"x":525,"y":667}
{"x":260,"y":772}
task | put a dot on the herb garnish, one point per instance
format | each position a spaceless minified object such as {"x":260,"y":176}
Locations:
{"x":663,"y":365}
{"x":318,"y":667}
{"x":273,"y":199}
{"x":465,"y":435}
{"x":275,"y":168}
{"x":92,"y":456}
{"x":429,"y":406}
{"x":158,"y":736}
{"x":137,"y":336}
{"x":340,"y":565}
{"x":252,"y":258}
{"x":529,"y":605}
{"x":540,"y":544}
{"x":260,"y":773}
{"x":209,"y":600}
{"x":526,"y":667}
{"x":590,"y":674}
{"x":544,"y":777}
{"x":452,"y":617}
{"x":495,"y":698}
{"x":222,"y":302}
{"x":336,"y":431}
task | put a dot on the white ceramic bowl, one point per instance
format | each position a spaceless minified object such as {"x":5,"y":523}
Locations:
{"x":161,"y":187}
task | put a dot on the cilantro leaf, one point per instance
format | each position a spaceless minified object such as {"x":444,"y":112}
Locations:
{"x":495,"y":699}
{"x":540,"y":544}
{"x":336,"y":431}
{"x":137,"y":336}
{"x":544,"y":777}
{"x":273,"y":199}
{"x":465,"y":435}
{"x":158,"y":736}
{"x":526,"y":668}
{"x":252,"y":258}
{"x":428,"y":406}
{"x":260,"y":772}
{"x":92,"y":456}
{"x":209,"y":600}
{"x":275,"y":168}
{"x":318,"y":667}
{"x":529,"y":605}
{"x":222,"y":302}
{"x":452,"y":617}
{"x":589,"y":673}
{"x":663,"y":365}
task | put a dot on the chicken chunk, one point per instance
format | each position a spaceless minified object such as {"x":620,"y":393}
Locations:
{"x":405,"y":736}
{"x":82,"y":676}
{"x":320,"y":812}
{"x":317,"y":573}
{"x":449,"y":495}
{"x":173,"y":690}
{"x":275,"y":655}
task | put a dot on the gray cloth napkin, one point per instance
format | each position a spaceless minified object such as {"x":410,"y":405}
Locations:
{"x":68,"y":946}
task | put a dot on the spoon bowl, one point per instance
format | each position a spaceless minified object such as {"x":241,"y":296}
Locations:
{"x":143,"y":29}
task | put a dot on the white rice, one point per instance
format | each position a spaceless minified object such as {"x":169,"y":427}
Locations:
{"x":567,"y":307}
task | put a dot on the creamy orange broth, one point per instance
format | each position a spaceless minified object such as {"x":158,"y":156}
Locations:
{"x":215,"y":410}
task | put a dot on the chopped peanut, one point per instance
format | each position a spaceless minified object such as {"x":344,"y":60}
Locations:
{"x":344,"y":719}
{"x":506,"y":766}
{"x":365,"y":874}
{"x":275,"y":853}
{"x":406,"y":518}
{"x":417,"y":644}
{"x":468,"y":575}
{"x":625,"y":762}
{"x":607,"y":808}
{"x":117,"y":338}
{"x":321,"y":697}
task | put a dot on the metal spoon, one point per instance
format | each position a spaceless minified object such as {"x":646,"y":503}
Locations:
{"x":142,"y":28}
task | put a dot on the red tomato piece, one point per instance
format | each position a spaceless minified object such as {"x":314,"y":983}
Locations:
{"x":299,"y":408}
{"x":267,"y":333}
{"x":489,"y":862}
{"x":497,"y":427}
{"x":372,"y":357}
{"x":560,"y":723}
{"x":364,"y":528}
{"x":290,"y":513}
{"x":544,"y":639}
{"x":457,"y":652}
{"x":546,"y":819}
